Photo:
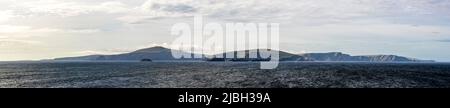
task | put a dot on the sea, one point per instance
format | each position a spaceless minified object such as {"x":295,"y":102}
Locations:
{"x":50,"y":74}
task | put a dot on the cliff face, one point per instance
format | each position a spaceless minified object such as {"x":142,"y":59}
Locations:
{"x":338,"y":56}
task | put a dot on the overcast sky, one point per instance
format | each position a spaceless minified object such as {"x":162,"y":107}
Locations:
{"x":43,"y":29}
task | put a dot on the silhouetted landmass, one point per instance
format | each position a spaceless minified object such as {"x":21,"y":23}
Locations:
{"x":161,"y":53}
{"x":153,"y":53}
{"x":338,"y":56}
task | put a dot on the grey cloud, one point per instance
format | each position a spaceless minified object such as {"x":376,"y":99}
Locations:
{"x":178,"y":8}
{"x":331,"y":10}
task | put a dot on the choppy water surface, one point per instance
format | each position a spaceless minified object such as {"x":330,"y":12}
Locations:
{"x":220,"y":74}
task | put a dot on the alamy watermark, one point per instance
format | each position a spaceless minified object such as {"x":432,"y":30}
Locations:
{"x":250,"y":41}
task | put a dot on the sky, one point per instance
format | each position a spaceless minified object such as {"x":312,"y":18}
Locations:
{"x":46,"y":29}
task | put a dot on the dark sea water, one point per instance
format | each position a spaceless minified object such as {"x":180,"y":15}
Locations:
{"x":220,"y":74}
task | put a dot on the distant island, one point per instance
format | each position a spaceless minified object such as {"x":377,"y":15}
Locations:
{"x":161,"y":53}
{"x":146,"y":60}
